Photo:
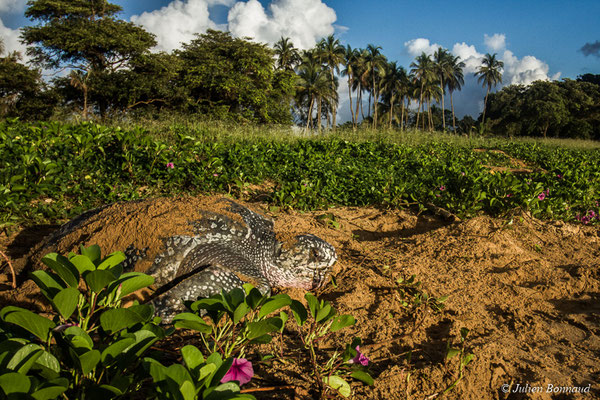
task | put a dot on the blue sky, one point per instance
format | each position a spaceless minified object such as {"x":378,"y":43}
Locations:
{"x":537,"y":39}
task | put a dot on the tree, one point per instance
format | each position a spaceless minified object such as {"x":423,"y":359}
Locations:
{"x":82,"y":35}
{"x":454,"y":81}
{"x":332,"y":55}
{"x":287,"y":55}
{"x":443,"y":67}
{"x":229,"y":77}
{"x":350,"y":56}
{"x":490,"y":74}
{"x":393,"y":86}
{"x":23,"y":93}
{"x":423,"y":72}
{"x":312,"y":86}
{"x":375,"y":62}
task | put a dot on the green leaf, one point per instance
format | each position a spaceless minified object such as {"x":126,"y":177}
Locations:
{"x":313,"y":304}
{"x":36,"y":324}
{"x":48,"y":364}
{"x":224,"y":391}
{"x":325,"y":313}
{"x":254,"y":298}
{"x":82,"y":263}
{"x":92,"y":252}
{"x":112,"y":260}
{"x":284,"y":317}
{"x":112,"y":352}
{"x":114,"y":320}
{"x":14,"y":382}
{"x":192,"y":356}
{"x":191,"y":321}
{"x":63,"y":268}
{"x":48,"y":392}
{"x":274,"y":304}
{"x":341,"y":322}
{"x":240,"y":312}
{"x":98,"y":279}
{"x":259,"y":328}
{"x":452,"y":352}
{"x":65,"y":301}
{"x":188,"y":390}
{"x":48,"y":282}
{"x":132,"y":281}
{"x":78,"y":338}
{"x":363,"y":377}
{"x":206,"y":371}
{"x":299,"y":311}
{"x":25,"y":358}
{"x":338,"y":384}
{"x":178,"y":373}
{"x":88,"y":361}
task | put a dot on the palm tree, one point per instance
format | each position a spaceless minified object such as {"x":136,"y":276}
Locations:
{"x":287,"y":55}
{"x":442,"y":58}
{"x":361,"y":73}
{"x":455,"y":80}
{"x":392,"y":86}
{"x":375,"y":62}
{"x":423,"y":72}
{"x":490,"y":74}
{"x":350,"y":56}
{"x":332,"y":55}
{"x":313,"y":86}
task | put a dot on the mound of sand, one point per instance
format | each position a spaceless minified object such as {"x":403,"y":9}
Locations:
{"x":527,"y":290}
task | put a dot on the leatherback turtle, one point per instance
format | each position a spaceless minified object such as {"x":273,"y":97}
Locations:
{"x":224,"y":254}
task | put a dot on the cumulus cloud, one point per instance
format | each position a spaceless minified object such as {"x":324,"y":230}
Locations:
{"x":179,"y":21}
{"x":415,"y":47}
{"x":10,"y":38}
{"x":591,"y":49}
{"x":12,"y":6}
{"x":496,"y":42}
{"x":303,"y":21}
{"x":516,"y":70}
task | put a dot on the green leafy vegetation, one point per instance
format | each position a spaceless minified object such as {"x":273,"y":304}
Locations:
{"x":91,"y":347}
{"x":53,"y":171}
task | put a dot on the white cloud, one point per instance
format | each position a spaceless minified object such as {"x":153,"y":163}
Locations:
{"x":12,"y":6}
{"x":303,"y":21}
{"x":496,"y":42}
{"x":179,"y":21}
{"x":421,"y":45}
{"x":10,"y":38}
{"x":526,"y":70}
{"x":516,"y":70}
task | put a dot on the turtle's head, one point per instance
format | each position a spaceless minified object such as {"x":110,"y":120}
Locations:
{"x":305,"y":265}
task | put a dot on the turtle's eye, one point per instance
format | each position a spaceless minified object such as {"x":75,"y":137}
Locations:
{"x":315,"y":255}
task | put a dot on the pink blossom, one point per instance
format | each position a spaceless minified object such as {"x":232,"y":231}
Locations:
{"x":215,"y":175}
{"x":542,"y":196}
{"x":170,"y":165}
{"x":509,"y":195}
{"x":559,"y":176}
{"x":442,"y":188}
{"x":360,"y":358}
{"x":241,"y":370}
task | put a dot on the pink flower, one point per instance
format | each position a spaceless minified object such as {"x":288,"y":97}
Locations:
{"x":360,"y":358}
{"x":462,"y":173}
{"x":215,"y":175}
{"x":241,"y":370}
{"x":170,"y":165}
{"x":509,"y":195}
{"x":542,"y":196}
{"x":442,"y":188}
{"x":559,"y":176}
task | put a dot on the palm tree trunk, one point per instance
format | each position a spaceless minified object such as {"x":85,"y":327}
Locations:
{"x":362,"y":111}
{"x":391,"y":111}
{"x":319,"y":110}
{"x":374,"y":102}
{"x":420,"y":105}
{"x":453,"y":117}
{"x":310,"y":108}
{"x":443,"y":109}
{"x":430,"y":115}
{"x":358,"y":102}
{"x":484,"y":106}
{"x":350,"y":96}
{"x":402,"y":115}
{"x":333,"y":106}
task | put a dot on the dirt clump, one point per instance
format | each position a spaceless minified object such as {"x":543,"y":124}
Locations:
{"x":528,"y":291}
